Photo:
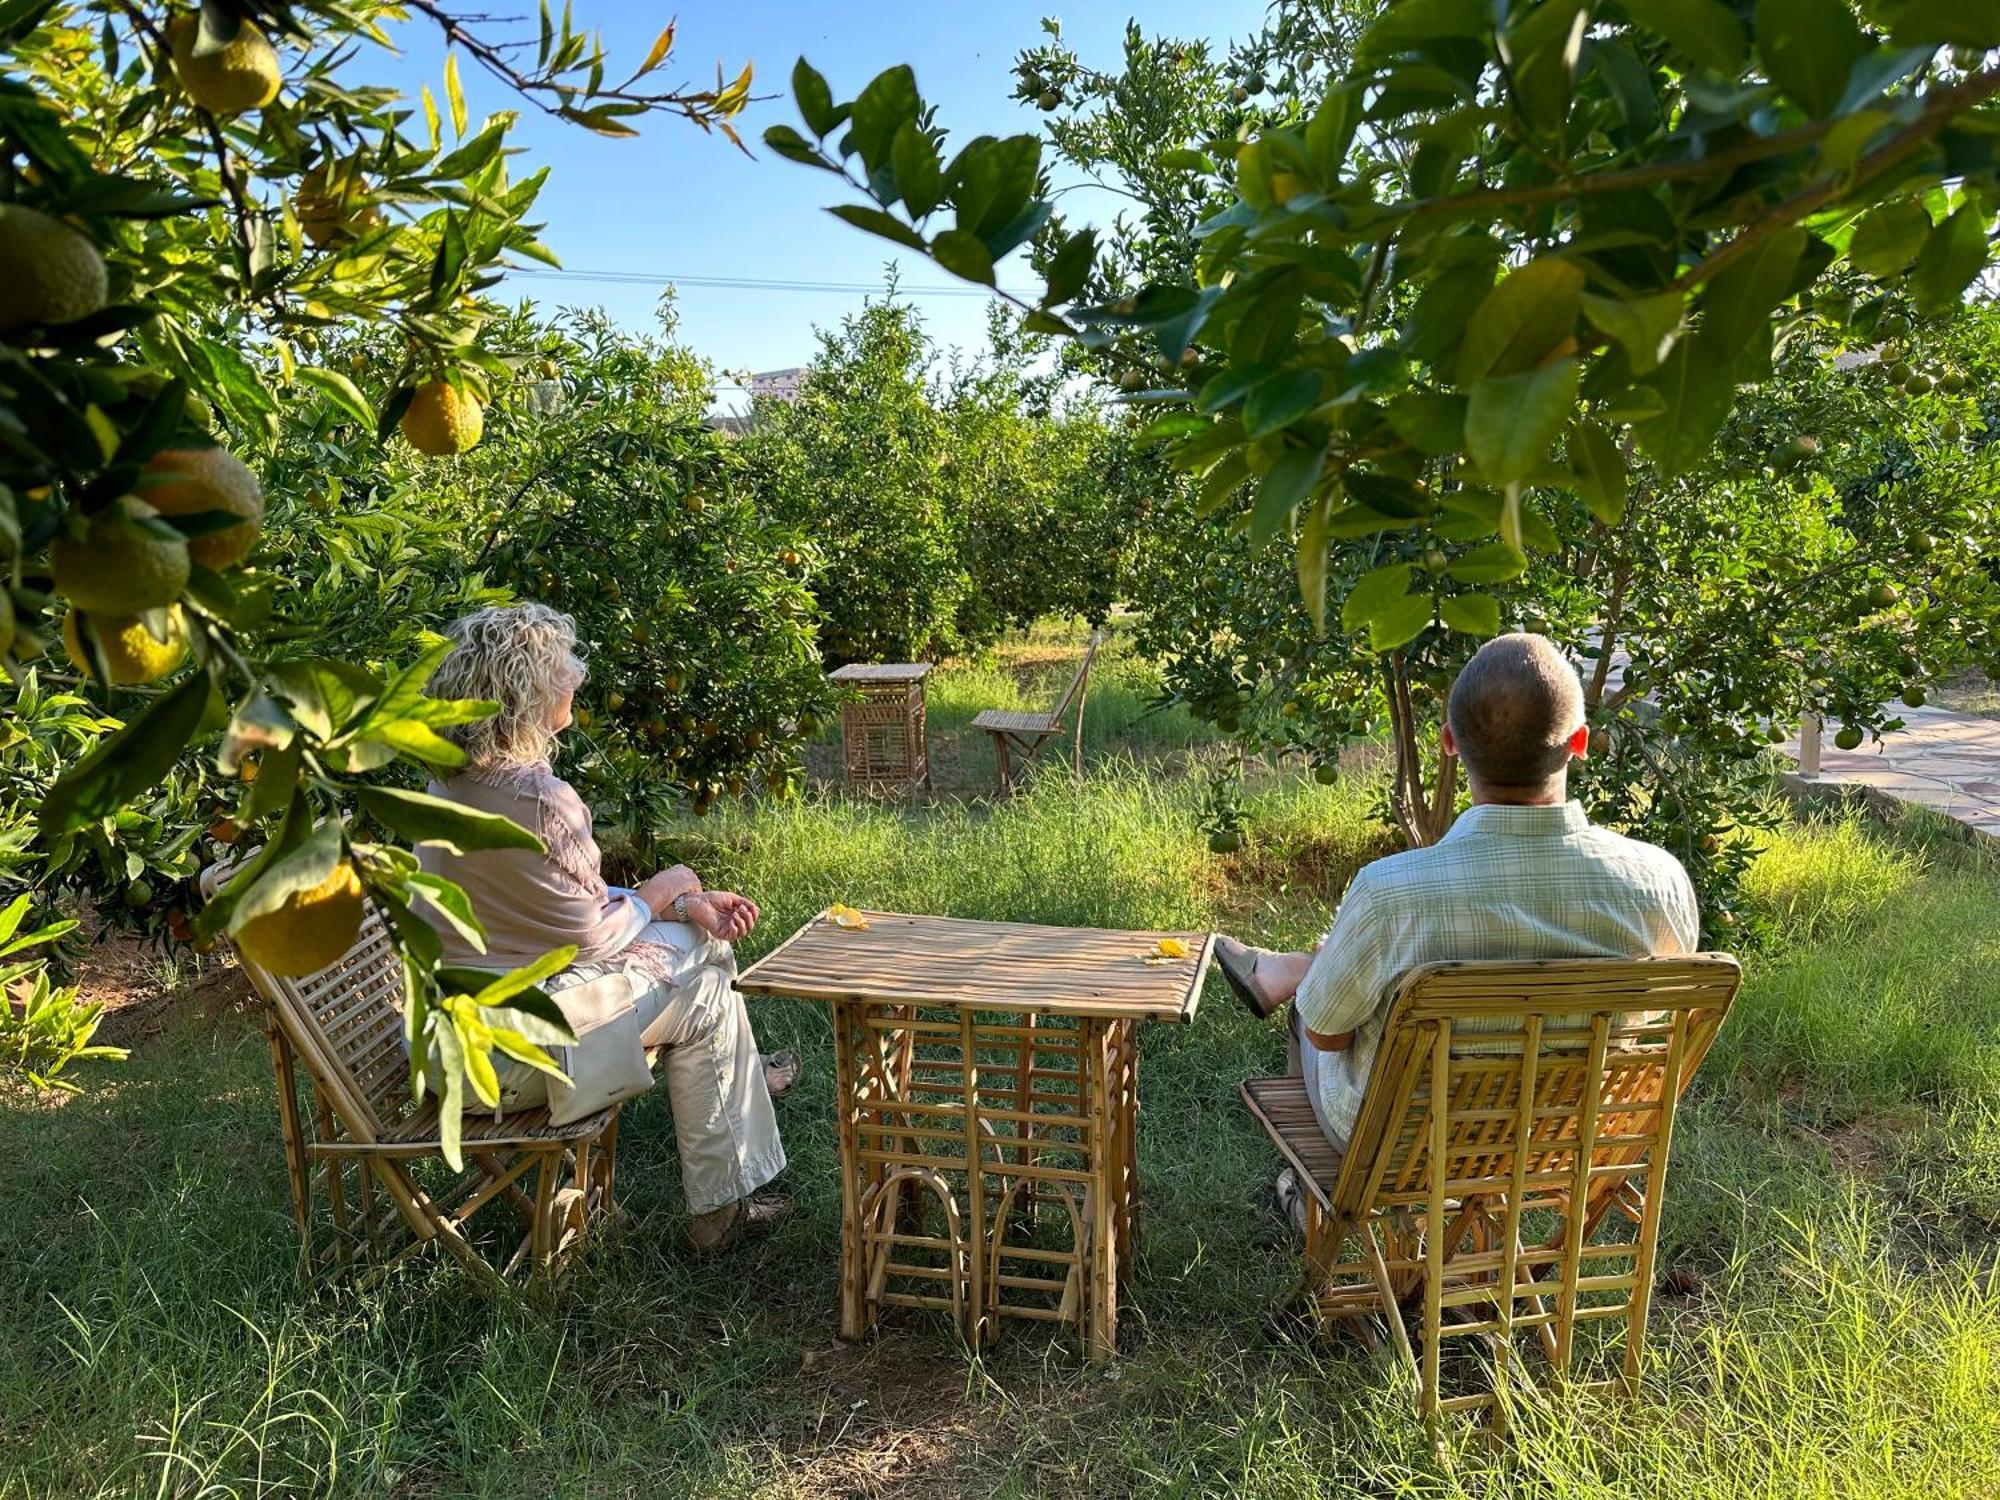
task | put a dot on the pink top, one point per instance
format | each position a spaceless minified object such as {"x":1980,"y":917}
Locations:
{"x":530,"y":903}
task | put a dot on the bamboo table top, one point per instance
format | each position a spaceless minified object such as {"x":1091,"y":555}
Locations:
{"x":1059,"y":971}
{"x":881,"y":671}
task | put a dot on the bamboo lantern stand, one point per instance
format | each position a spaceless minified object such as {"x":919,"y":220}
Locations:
{"x":883,"y":741}
{"x":988,"y":1077}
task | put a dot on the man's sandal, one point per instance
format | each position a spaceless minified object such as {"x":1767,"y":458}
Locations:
{"x":711,"y":1234}
{"x":1237,"y":963}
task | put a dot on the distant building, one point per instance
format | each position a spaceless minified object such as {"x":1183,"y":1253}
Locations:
{"x":783,"y":384}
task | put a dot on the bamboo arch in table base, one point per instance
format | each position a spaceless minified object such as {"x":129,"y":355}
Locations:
{"x":988,"y":1163}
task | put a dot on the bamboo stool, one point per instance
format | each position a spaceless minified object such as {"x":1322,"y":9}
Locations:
{"x":882,"y":734}
{"x":1567,"y":1115}
{"x":988,"y":1076}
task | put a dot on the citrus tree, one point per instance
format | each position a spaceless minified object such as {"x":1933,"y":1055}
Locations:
{"x":190,"y":202}
{"x":1435,"y":310}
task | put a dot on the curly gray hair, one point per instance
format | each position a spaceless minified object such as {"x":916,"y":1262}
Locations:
{"x":521,"y":656}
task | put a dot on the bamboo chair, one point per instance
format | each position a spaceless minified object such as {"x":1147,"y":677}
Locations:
{"x":342,"y":1028}
{"x":1576,"y":1107}
{"x":1026,"y":733}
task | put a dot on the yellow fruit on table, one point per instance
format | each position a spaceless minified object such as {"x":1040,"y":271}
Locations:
{"x":131,"y":652}
{"x":188,"y":481}
{"x":309,"y":929}
{"x":442,"y":421}
{"x":49,"y":273}
{"x":117,"y":567}
{"x":241,"y":74}
{"x":330,"y":211}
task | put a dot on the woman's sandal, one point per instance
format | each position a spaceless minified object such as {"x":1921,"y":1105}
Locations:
{"x":781,"y":1071}
{"x":756,"y":1214}
{"x":1241,"y":977}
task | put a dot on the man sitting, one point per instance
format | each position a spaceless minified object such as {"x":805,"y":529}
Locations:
{"x":1522,"y":874}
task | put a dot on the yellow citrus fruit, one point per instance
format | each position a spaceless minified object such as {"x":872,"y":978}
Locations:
{"x":188,"y":481}
{"x":442,"y":421}
{"x":329,"y":211}
{"x":116,"y":567}
{"x":49,"y":273}
{"x":132,"y":653}
{"x":309,"y":929}
{"x":242,"y":74}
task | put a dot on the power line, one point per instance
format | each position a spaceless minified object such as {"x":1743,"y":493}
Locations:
{"x":750,"y":283}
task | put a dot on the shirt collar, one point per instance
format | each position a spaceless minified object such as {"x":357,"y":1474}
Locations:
{"x":1504,"y":820}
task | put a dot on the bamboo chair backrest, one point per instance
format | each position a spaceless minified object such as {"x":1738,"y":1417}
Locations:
{"x":1584,"y":1080}
{"x":345,"y":1023}
{"x":1076,"y":682}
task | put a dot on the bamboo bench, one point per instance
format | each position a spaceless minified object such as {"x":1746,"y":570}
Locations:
{"x":1026,"y":732}
{"x":1568,"y":1116}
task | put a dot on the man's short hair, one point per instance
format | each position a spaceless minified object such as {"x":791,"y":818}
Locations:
{"x":1513,"y":710}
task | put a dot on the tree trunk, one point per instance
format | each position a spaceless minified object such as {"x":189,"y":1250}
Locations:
{"x":1422,"y":807}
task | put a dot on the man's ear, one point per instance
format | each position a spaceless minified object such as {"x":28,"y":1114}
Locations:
{"x":1446,"y":741}
{"x":1579,"y":743}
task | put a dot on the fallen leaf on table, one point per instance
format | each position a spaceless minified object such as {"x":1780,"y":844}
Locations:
{"x":847,"y":917}
{"x":1171,"y":947}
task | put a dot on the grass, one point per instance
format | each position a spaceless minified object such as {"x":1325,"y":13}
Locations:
{"x":1836,"y":1187}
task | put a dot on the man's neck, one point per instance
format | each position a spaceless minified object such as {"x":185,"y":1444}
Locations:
{"x":1553,"y":793}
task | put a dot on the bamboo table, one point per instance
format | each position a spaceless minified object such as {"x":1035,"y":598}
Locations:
{"x":882,"y":733}
{"x":988,"y":1076}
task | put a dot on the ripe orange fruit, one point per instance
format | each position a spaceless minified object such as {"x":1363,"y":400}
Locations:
{"x":309,"y":929}
{"x":132,"y":653}
{"x":442,"y":420}
{"x":240,"y":75}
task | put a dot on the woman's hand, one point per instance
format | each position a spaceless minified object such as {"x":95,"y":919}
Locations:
{"x":658,"y":891}
{"x":723,"y":914}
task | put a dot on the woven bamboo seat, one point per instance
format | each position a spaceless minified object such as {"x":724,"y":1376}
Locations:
{"x":341,"y":1031}
{"x":1016,"y":731}
{"x":1530,"y":1202}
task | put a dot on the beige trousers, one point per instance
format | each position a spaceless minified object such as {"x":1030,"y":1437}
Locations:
{"x":724,"y":1127}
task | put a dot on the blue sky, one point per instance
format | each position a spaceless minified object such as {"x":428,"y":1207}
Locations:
{"x":677,"y":203}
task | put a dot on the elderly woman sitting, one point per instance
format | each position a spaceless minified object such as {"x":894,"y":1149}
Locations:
{"x":670,"y":937}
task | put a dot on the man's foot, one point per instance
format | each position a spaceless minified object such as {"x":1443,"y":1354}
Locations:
{"x":727,"y":1227}
{"x":1252,"y":974}
{"x":781,"y":1071}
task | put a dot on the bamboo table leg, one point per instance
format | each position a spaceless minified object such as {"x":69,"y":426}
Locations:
{"x":297,"y":1168}
{"x":1101,"y":1336}
{"x":847,"y":1123}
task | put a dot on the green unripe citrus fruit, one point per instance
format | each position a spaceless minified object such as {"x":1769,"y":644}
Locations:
{"x":49,"y":273}
{"x":189,"y":481}
{"x":1848,"y":738}
{"x":241,"y":74}
{"x":118,"y":566}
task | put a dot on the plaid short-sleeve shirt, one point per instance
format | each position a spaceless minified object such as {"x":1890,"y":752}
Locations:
{"x":1506,"y":882}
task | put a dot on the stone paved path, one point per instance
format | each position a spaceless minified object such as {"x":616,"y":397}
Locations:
{"x":1948,"y":762}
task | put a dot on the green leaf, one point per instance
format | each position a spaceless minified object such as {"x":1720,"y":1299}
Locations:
{"x":1432,"y":422}
{"x":1599,"y":465}
{"x":344,"y":394}
{"x":1522,"y":320}
{"x":962,"y":253}
{"x":515,"y":981}
{"x":1541,"y":48}
{"x":1644,"y":326}
{"x":1070,"y":267}
{"x":1953,"y":254}
{"x":1373,"y":593}
{"x":1947,"y":23}
{"x":1705,"y":31}
{"x":1289,"y":481}
{"x":919,"y":169}
{"x":127,"y":762}
{"x":1331,"y":131}
{"x":449,"y":900}
{"x":1409,"y":24}
{"x":454,"y":95}
{"x":1279,"y":401}
{"x":1471,"y":614}
{"x":1400,"y":624}
{"x":880,"y":111}
{"x":451,"y":1090}
{"x":876,"y":222}
{"x":789,"y":144}
{"x":1510,"y":420}
{"x":1808,"y":48}
{"x":1889,"y":237}
{"x":457,"y":829}
{"x":1312,"y":560}
{"x":814,"y":98}
{"x":1696,"y":387}
{"x":1740,"y":298}
{"x":300,"y":869}
{"x":1496,"y":562}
